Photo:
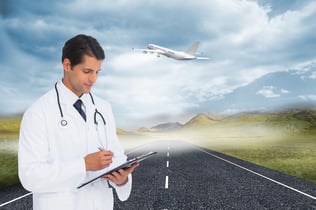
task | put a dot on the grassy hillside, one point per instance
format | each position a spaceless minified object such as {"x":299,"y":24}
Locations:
{"x":9,"y":127}
{"x":9,"y":130}
{"x":284,"y":141}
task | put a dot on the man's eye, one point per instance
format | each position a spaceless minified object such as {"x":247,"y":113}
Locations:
{"x":86,"y":71}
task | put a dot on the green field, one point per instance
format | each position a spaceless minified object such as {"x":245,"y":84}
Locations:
{"x":284,"y":142}
{"x":9,"y":170}
{"x":9,"y":127}
{"x":294,"y":155}
{"x":9,"y":130}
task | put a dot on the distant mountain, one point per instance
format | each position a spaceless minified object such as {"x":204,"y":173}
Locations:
{"x":170,"y":126}
{"x":145,"y":129}
{"x":167,"y":126}
{"x":298,"y":119}
{"x":120,"y":131}
{"x":198,"y":120}
{"x":202,"y":120}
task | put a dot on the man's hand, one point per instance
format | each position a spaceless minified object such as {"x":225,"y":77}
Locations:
{"x":120,"y":177}
{"x":98,"y":160}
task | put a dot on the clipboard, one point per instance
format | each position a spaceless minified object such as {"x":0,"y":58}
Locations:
{"x":124,"y":166}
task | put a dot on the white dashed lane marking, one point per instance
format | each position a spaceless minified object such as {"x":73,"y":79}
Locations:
{"x":167,"y":177}
{"x":167,"y":182}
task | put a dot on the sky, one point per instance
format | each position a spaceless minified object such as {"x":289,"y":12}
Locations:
{"x":262,"y":54}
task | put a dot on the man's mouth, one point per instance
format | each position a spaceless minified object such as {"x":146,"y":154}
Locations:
{"x":88,"y":85}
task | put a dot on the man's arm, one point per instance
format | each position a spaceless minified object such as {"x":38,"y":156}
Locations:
{"x":38,"y":172}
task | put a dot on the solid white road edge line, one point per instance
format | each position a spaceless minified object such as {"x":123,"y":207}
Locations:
{"x":251,"y":171}
{"x":11,"y":201}
{"x":18,"y":198}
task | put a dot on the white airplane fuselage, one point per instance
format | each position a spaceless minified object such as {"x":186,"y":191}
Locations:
{"x":169,"y":53}
{"x":189,"y":54}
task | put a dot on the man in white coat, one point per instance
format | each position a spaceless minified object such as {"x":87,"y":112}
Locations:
{"x":64,"y":142}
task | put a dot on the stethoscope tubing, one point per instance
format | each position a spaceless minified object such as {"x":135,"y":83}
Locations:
{"x":64,"y":122}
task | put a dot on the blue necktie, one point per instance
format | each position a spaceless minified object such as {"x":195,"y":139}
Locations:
{"x":78,"y":106}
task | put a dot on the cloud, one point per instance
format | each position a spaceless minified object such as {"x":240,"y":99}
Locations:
{"x":244,"y":39}
{"x":268,"y":92}
{"x":313,"y":75}
{"x":308,"y":97}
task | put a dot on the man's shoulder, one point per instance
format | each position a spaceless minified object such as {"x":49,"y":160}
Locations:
{"x":44,"y":100}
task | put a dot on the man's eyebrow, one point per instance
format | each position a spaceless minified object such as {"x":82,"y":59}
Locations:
{"x":88,"y":69}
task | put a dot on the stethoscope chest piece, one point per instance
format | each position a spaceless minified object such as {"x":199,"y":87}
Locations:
{"x":63,"y":123}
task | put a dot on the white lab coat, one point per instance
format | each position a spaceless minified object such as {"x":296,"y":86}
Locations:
{"x":51,"y":157}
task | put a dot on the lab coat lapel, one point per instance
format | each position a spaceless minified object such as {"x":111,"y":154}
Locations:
{"x":67,"y":100}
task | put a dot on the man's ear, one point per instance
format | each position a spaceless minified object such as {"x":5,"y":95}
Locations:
{"x":67,"y":64}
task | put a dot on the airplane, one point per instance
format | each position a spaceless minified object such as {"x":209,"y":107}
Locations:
{"x":178,"y":55}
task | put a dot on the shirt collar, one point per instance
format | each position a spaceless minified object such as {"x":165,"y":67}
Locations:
{"x":69,"y":97}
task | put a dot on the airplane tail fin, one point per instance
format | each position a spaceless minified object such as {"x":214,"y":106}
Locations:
{"x":193,"y":48}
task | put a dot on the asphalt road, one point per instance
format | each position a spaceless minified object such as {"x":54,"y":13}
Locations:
{"x":183,"y":176}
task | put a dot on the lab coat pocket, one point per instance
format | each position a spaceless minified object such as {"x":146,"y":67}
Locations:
{"x":103,"y":196}
{"x":68,"y":142}
{"x":54,"y":201}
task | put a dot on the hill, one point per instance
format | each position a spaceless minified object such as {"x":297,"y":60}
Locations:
{"x":120,"y":131}
{"x":167,"y":126}
{"x":202,"y":120}
{"x":297,"y":120}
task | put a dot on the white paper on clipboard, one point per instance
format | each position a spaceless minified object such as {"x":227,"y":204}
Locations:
{"x":125,"y":165}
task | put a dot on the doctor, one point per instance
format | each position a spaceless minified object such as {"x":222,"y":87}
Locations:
{"x":61,"y":147}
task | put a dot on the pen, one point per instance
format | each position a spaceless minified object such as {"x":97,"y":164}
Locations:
{"x":100,"y":148}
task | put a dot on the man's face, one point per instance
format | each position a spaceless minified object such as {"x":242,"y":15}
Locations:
{"x":81,"y":77}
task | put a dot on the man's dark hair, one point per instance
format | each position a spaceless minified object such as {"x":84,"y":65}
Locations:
{"x":80,"y":45}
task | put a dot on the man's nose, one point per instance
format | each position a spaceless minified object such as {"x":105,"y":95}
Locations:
{"x":93,"y":77}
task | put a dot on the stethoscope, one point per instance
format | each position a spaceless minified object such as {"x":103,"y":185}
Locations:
{"x":64,"y":122}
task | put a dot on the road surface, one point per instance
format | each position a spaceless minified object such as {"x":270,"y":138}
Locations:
{"x":183,"y":176}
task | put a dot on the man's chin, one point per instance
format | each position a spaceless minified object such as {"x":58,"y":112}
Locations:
{"x":87,"y":89}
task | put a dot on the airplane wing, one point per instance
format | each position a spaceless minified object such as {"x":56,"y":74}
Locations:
{"x":148,"y":51}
